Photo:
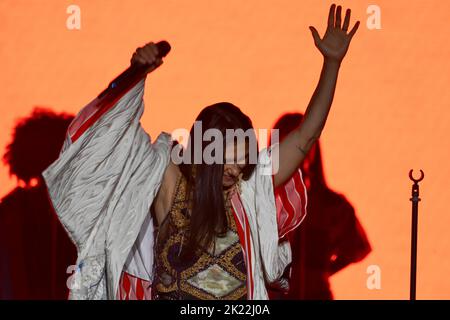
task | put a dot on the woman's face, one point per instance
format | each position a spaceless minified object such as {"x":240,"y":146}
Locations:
{"x":236,"y":155}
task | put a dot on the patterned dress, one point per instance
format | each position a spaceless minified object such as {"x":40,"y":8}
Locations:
{"x":215,"y":273}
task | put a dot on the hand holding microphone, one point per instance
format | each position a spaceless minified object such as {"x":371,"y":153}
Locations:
{"x":150,"y":55}
{"x":144,"y":60}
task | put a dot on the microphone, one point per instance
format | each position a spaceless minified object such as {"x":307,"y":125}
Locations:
{"x":134,"y":72}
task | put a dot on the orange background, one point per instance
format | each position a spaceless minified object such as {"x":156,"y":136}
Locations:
{"x":390,"y":112}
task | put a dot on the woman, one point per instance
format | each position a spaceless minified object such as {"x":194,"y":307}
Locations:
{"x":213,"y":220}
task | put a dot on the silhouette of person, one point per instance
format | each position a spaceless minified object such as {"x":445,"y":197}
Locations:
{"x":35,"y":250}
{"x":330,"y":237}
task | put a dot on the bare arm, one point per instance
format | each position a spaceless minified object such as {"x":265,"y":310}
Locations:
{"x":334,"y":45}
{"x":163,"y":200}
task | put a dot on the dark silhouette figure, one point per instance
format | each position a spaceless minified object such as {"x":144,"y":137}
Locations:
{"x":330,"y":237}
{"x":35,"y":250}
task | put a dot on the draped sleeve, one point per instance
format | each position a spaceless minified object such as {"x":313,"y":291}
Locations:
{"x":102,"y":185}
{"x":277,"y":213}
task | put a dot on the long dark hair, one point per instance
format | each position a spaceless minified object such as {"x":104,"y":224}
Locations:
{"x":204,"y":181}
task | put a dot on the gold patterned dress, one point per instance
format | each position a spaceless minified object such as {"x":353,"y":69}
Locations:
{"x":215,"y":273}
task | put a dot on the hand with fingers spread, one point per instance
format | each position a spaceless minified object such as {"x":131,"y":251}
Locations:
{"x":335,"y":42}
{"x":333,"y":46}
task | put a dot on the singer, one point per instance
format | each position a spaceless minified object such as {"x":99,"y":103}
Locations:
{"x":146,"y":227}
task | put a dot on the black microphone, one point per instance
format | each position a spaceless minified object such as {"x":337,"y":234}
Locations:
{"x":135,"y":71}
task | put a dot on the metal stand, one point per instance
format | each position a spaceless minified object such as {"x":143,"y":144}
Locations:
{"x":415,"y":207}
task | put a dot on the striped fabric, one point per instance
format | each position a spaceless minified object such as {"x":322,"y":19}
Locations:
{"x":243,"y":228}
{"x":133,"y":288}
{"x":291,"y":199}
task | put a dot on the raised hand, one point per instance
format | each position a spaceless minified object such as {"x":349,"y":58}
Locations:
{"x":336,"y":40}
{"x":147,"y":55}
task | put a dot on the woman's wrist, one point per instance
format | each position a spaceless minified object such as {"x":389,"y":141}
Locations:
{"x":332,"y":63}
